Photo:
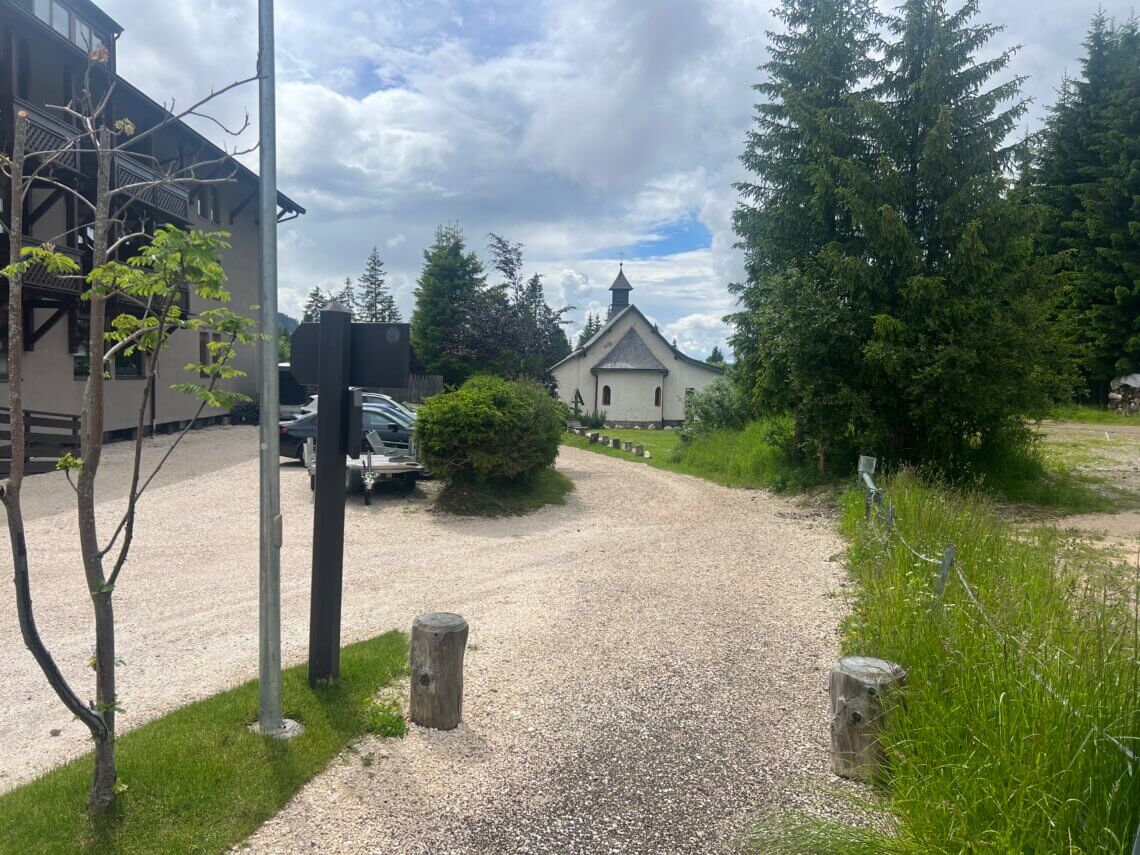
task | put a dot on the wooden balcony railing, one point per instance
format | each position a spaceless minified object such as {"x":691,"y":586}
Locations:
{"x":170,"y":199}
{"x":39,"y":277}
{"x":48,"y":133}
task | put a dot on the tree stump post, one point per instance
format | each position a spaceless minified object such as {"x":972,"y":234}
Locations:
{"x":439,"y":640}
{"x":594,"y":438}
{"x":858,"y":686}
{"x":639,"y":450}
{"x":615,"y":442}
{"x":627,"y":446}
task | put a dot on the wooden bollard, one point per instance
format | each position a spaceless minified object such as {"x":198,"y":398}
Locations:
{"x":627,"y":446}
{"x":616,"y":442}
{"x":639,"y":450}
{"x":593,"y":438}
{"x":858,"y":686}
{"x":439,"y":640}
{"x":605,"y":440}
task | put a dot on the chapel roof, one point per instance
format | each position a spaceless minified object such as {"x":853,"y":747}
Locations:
{"x":621,"y":283}
{"x":631,"y":353}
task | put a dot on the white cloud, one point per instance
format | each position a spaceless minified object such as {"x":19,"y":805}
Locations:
{"x":576,"y":126}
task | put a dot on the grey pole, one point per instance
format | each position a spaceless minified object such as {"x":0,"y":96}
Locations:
{"x":270,"y":719}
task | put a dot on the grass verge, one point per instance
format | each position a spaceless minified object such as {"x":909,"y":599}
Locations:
{"x":1091,"y":415}
{"x":197,"y":779}
{"x":503,"y":498}
{"x":981,"y":755}
{"x":756,"y":457}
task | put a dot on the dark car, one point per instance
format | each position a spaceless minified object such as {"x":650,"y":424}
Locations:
{"x":295,"y":432}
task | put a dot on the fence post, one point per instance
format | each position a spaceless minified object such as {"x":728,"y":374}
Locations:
{"x":944,"y":570}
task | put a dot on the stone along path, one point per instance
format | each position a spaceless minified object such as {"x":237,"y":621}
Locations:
{"x":647,"y":668}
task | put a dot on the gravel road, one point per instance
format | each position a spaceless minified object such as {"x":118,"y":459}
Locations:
{"x":647,"y":668}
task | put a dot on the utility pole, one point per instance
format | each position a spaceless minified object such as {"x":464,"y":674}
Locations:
{"x":270,"y":720}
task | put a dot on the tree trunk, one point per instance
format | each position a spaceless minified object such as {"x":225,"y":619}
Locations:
{"x":859,"y":685}
{"x":103,"y":786}
{"x":439,"y":640}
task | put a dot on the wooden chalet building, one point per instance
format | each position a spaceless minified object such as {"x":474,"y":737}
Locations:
{"x":45,"y":50}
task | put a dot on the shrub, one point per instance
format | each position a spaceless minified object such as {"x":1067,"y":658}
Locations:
{"x":594,"y":421}
{"x":490,"y":428}
{"x":719,"y":406}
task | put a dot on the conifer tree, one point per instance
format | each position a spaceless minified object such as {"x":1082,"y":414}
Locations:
{"x":347,"y":298}
{"x":1086,"y":180}
{"x":317,"y":300}
{"x":716,"y":357}
{"x":376,"y":302}
{"x":450,"y":281}
{"x":806,"y":123}
{"x":591,"y":328}
{"x":960,"y":350}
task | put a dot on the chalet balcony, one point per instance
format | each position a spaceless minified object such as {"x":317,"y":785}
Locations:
{"x":39,"y":278}
{"x":170,"y":200}
{"x":47,"y":132}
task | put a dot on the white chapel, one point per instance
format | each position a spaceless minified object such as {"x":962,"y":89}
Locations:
{"x":629,"y":371}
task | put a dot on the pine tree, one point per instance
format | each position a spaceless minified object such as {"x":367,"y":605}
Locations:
{"x":960,"y":350}
{"x":808,"y":121}
{"x":450,"y":281}
{"x":1086,"y":180}
{"x":311,"y":311}
{"x":716,"y":357}
{"x":376,"y":302}
{"x":347,"y":298}
{"x":591,"y":328}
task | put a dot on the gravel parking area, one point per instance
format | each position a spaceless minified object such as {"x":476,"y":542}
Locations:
{"x":647,"y":668}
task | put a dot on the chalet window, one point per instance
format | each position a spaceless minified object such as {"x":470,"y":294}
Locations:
{"x":657,"y":397}
{"x":72,"y":27}
{"x":207,"y":205}
{"x":81,"y":358}
{"x":605,"y":395}
{"x":128,"y":367}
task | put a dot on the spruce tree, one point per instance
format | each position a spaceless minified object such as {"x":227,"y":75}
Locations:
{"x":1086,"y":180}
{"x":960,"y":349}
{"x":347,"y":298}
{"x":376,"y":302}
{"x":317,"y":300}
{"x":450,"y":281}
{"x":716,"y":357}
{"x":591,"y":328}
{"x":807,"y":123}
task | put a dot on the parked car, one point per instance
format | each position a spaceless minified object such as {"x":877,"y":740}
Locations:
{"x":377,"y":398}
{"x":394,"y":431}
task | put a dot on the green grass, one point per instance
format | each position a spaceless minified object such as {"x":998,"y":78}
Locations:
{"x":1045,"y":476}
{"x":1090,"y":415}
{"x":505,"y":498}
{"x":756,"y":457}
{"x":981,"y":756}
{"x":198,"y":780}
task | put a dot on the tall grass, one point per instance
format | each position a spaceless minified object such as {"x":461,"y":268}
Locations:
{"x":1091,"y":415}
{"x":1001,"y":741}
{"x":984,"y":754}
{"x":760,"y":455}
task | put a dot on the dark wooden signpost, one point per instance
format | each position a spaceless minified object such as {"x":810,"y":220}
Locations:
{"x":334,"y":355}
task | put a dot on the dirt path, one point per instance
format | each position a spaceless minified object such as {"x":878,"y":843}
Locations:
{"x":648,"y":663}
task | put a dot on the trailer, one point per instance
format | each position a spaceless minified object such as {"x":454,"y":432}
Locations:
{"x":378,"y":463}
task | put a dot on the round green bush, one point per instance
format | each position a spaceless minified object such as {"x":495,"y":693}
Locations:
{"x":490,"y":428}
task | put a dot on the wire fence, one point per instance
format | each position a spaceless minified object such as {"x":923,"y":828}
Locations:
{"x":883,"y":524}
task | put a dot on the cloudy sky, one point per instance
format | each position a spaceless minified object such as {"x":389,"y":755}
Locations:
{"x":590,"y":130}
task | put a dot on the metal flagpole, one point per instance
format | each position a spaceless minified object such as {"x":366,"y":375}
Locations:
{"x":270,"y":720}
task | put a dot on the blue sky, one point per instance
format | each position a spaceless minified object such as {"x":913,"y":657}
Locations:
{"x":590,"y":130}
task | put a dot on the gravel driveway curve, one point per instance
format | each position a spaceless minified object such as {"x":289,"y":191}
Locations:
{"x":647,"y":672}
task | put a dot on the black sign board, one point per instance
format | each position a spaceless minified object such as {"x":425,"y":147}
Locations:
{"x":334,"y":355}
{"x":380,"y":354}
